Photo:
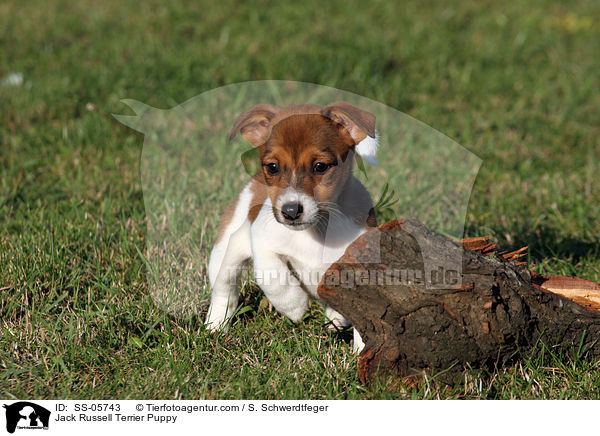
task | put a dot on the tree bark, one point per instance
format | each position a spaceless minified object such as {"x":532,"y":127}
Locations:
{"x":483,"y":315}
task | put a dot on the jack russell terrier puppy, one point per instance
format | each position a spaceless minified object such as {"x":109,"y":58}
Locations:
{"x":299,"y":213}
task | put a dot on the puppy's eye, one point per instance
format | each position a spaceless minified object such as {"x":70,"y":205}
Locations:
{"x":320,"y":167}
{"x":272,"y":168}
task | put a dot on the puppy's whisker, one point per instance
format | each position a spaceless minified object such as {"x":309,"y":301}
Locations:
{"x":333,"y":210}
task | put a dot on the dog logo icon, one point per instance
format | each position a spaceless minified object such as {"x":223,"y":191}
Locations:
{"x":26,"y":415}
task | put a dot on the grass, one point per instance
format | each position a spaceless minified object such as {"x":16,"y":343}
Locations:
{"x":518,"y":84}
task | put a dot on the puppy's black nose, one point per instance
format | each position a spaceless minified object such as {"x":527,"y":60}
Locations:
{"x":291,"y":211}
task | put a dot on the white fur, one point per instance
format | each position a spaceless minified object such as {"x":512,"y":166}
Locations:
{"x":367,"y":149}
{"x":308,"y":203}
{"x":226,"y":258}
{"x":273,"y":247}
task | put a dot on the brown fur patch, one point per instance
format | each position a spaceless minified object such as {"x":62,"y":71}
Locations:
{"x":259,"y":195}
{"x":296,"y":144}
{"x":256,"y":124}
{"x":372,"y":218}
{"x":226,"y":218}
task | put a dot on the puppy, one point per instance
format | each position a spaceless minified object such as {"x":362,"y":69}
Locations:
{"x":299,"y":213}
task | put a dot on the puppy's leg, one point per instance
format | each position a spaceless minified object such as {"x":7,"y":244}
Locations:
{"x":282,"y":289}
{"x":227,"y":260}
{"x":337,"y":320}
{"x":357,"y":342}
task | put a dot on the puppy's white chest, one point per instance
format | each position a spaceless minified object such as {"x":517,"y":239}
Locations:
{"x":308,"y":254}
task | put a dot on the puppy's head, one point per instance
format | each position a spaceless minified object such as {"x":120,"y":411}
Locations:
{"x":306,"y":155}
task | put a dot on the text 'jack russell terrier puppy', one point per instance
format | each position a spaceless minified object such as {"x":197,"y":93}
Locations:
{"x":299,"y":213}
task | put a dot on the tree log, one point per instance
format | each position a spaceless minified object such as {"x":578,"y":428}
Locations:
{"x":482,"y":316}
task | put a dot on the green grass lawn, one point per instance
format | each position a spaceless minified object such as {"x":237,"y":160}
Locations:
{"x":518,"y":84}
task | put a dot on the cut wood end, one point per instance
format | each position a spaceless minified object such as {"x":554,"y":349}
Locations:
{"x":583,"y":292}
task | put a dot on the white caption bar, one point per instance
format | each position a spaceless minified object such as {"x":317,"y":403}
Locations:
{"x":157,"y":417}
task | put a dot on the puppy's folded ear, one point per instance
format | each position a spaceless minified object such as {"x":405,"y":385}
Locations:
{"x":255,"y":124}
{"x":356,"y":122}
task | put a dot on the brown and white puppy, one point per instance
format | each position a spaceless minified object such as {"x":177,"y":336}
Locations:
{"x":298,"y":214}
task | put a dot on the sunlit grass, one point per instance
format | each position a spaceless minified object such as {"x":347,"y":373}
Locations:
{"x":518,"y":84}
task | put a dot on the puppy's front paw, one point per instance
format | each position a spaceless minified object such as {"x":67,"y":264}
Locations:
{"x":215,"y":323}
{"x":338,"y":322}
{"x":216,"y":327}
{"x":357,"y":342}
